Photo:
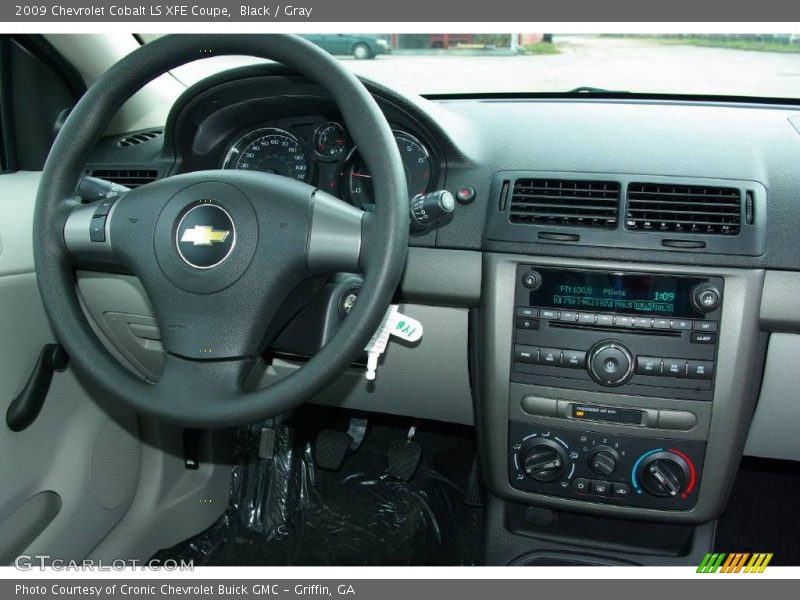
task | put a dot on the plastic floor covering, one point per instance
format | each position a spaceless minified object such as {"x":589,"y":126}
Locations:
{"x":286,"y":511}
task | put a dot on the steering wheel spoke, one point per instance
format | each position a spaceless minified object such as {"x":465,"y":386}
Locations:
{"x":335,"y":238}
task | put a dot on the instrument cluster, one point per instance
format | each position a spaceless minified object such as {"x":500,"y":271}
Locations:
{"x":320,"y":152}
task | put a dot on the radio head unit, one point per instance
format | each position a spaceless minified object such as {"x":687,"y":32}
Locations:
{"x":639,"y":333}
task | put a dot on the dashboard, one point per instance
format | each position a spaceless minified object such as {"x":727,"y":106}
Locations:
{"x":602,"y":303}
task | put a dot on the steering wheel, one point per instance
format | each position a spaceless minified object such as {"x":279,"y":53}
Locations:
{"x":218,"y":252}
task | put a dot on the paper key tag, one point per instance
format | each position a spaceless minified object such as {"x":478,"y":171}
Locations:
{"x":405,"y":327}
{"x":394,"y":323}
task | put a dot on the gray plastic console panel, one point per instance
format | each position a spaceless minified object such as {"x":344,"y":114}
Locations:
{"x":776,"y":423}
{"x":751,"y":240}
{"x":739,"y":361}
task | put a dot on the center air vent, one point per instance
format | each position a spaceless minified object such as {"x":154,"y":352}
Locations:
{"x":130,"y":178}
{"x":683,"y":209}
{"x":134,"y":139}
{"x":565,"y":202}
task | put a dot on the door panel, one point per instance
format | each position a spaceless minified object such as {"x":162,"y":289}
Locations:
{"x":84,"y":453}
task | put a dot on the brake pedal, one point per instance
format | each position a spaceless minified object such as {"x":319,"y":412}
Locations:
{"x":331,"y":448}
{"x":404,"y":457}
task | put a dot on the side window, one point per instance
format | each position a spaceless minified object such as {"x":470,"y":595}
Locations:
{"x":37,"y":89}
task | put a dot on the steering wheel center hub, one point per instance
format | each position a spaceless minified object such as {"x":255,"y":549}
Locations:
{"x":205,"y":235}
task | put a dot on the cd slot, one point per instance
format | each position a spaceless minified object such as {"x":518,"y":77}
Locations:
{"x":607,"y":328}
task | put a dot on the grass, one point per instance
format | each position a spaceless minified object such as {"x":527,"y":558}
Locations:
{"x":541,"y":48}
{"x":753,"y":45}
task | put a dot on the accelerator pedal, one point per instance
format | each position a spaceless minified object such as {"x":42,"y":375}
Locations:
{"x":404,"y":457}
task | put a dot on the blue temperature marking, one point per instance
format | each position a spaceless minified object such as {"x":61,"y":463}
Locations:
{"x":638,"y":461}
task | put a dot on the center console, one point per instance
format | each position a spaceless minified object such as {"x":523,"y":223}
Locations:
{"x":620,"y":333}
{"x":615,"y":390}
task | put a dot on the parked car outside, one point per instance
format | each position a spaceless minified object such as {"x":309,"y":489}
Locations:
{"x":360,"y":47}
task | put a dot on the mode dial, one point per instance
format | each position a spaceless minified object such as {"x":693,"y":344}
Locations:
{"x":544,"y":460}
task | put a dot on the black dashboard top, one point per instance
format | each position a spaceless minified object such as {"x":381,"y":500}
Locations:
{"x":705,"y":147}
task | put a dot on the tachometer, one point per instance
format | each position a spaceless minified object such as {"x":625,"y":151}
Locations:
{"x":416,"y":163}
{"x":270,"y":150}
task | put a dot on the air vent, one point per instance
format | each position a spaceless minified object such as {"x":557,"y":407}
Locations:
{"x":683,"y":209}
{"x":135,"y":139}
{"x":565,"y":202}
{"x":128,"y":177}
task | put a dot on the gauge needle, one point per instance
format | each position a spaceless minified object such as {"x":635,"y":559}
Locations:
{"x":361,"y":175}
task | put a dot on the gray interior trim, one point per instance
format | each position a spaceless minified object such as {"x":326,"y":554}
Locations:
{"x":25,"y":523}
{"x":172,"y":503}
{"x":780,"y":302}
{"x":16,"y":221}
{"x":775,"y":430}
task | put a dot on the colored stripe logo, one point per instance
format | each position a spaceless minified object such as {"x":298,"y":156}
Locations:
{"x":737,"y":562}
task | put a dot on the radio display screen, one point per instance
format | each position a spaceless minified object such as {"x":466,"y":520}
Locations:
{"x":628,"y":293}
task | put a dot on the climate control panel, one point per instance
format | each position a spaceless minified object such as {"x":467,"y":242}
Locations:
{"x":598,"y":467}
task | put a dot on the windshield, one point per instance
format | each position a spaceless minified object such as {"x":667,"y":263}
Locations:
{"x":726,"y":65}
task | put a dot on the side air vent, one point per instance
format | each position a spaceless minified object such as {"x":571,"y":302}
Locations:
{"x":565,"y":202}
{"x":135,"y":139}
{"x":683,"y":209}
{"x":128,"y":177}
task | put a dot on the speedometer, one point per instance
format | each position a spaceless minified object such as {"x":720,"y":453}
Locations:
{"x":270,"y":150}
{"x":416,"y":164}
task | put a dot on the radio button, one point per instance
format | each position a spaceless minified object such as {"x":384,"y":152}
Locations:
{"x":705,"y":325}
{"x":661,"y":323}
{"x":679,"y":420}
{"x":541,"y":407}
{"x":526,"y":354}
{"x":648,"y":365}
{"x":623,"y":321}
{"x":526,"y":323}
{"x":642,"y":322}
{"x":675,"y":367}
{"x":698,"y":337}
{"x":575,"y":359}
{"x":548,"y":314}
{"x":605,"y":320}
{"x":550,"y":356}
{"x":525,"y":311}
{"x":568,"y":316}
{"x":701,"y":369}
{"x":531,"y":280}
{"x":587,"y":318}
{"x":681,"y":324}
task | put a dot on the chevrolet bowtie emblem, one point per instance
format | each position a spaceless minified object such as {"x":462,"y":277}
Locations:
{"x":203,"y":235}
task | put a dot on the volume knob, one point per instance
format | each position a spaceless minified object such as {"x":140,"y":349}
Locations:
{"x":610,"y":363}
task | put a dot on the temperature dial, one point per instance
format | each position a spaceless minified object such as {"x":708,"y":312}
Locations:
{"x":544,"y":460}
{"x":666,"y":474}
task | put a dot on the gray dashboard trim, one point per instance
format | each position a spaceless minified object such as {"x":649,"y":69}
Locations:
{"x":740,"y":361}
{"x":780,"y":302}
{"x":442,"y":277}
